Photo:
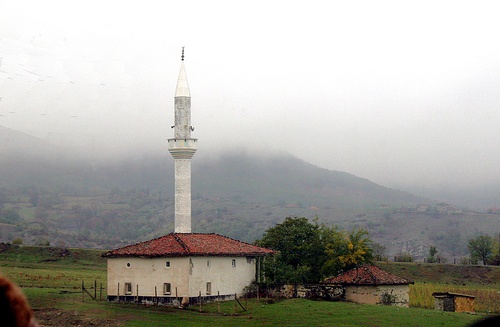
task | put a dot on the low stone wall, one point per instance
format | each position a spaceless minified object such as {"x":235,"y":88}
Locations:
{"x":310,"y":291}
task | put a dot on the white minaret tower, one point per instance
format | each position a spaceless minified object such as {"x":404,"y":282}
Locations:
{"x":182,"y":147}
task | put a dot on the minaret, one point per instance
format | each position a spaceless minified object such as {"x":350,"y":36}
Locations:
{"x":182,"y":147}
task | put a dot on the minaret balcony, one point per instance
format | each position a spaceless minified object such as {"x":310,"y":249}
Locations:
{"x":182,"y":148}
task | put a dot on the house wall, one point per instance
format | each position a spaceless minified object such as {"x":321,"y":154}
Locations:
{"x":373,"y":294}
{"x":454,"y":303}
{"x":362,"y":294}
{"x":464,"y":304}
{"x":224,"y":278}
{"x":444,"y":304}
{"x":146,"y":273}
{"x":188,"y":274}
{"x":309,"y":291}
{"x":401,"y":294}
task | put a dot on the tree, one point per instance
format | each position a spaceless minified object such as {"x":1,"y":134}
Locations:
{"x":34,"y":196}
{"x":335,"y":244}
{"x":495,"y":260}
{"x":452,"y":241}
{"x":379,"y":252}
{"x":300,"y":251}
{"x":348,"y":250}
{"x":308,"y":252}
{"x":481,"y":248}
{"x":432,"y":255}
{"x":403,"y":257}
{"x":10,"y":216}
{"x":17,"y":241}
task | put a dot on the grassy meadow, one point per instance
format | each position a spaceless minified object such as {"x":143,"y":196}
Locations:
{"x":487,"y":298}
{"x":51,"y":279}
{"x":483,"y":282}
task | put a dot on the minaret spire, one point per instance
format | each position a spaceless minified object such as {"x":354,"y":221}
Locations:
{"x":182,"y":147}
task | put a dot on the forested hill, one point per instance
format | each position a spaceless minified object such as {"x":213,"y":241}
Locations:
{"x":61,"y":195}
{"x":270,"y":179}
{"x":283,"y":178}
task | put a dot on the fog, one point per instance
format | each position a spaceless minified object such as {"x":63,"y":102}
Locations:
{"x":403,"y":94}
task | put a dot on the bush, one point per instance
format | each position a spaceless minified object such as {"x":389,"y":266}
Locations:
{"x":403,"y":257}
{"x":441,"y":259}
{"x":10,"y":216}
{"x":463,"y":261}
{"x":42,"y":241}
{"x":388,"y":298}
{"x":250,"y":291}
{"x":17,"y":241}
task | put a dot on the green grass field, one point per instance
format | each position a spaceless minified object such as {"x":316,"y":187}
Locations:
{"x":294,"y":312}
{"x":51,"y":279}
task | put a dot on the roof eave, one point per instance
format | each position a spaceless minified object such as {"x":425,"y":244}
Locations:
{"x":170,"y":255}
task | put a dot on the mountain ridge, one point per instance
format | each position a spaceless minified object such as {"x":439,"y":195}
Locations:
{"x":270,"y":178}
{"x":49,"y":193}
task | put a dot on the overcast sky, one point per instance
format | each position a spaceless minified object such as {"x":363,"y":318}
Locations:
{"x":399,"y":92}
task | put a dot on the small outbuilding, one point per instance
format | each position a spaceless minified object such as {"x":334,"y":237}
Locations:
{"x":446,"y":301}
{"x":371,"y":285}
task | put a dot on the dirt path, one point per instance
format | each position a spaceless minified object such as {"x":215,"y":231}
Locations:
{"x":61,"y":318}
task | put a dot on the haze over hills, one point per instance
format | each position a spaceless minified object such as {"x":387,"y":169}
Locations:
{"x":269,"y":178}
{"x":262,"y":177}
{"x":68,"y":196}
{"x":282,"y":178}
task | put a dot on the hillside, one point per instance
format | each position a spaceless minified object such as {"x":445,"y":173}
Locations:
{"x":445,"y":273}
{"x":284,"y":178}
{"x":13,"y":255}
{"x":27,"y":160}
{"x":51,"y":194}
{"x":15,"y":142}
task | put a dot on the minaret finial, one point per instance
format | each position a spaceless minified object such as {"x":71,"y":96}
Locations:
{"x":182,"y":56}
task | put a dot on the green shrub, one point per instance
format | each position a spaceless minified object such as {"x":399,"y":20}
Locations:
{"x":17,"y":241}
{"x":403,"y":257}
{"x":388,"y":298}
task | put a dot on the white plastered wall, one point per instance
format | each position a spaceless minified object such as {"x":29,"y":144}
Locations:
{"x":373,"y":294}
{"x":188,"y":274}
{"x":146,"y":273}
{"x":182,"y":195}
{"x":224,"y":278}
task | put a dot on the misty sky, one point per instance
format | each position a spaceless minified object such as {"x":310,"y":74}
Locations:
{"x":404,"y":93}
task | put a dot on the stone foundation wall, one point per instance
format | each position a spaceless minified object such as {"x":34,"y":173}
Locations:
{"x":310,"y":291}
{"x":171,"y":301}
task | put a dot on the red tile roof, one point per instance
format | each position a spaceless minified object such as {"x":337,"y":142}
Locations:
{"x":367,"y":275}
{"x":189,"y":244}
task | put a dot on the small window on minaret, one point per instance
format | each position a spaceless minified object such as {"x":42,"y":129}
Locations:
{"x":167,"y":264}
{"x":233,"y":263}
{"x":208,"y":263}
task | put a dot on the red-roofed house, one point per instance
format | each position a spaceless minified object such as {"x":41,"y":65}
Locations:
{"x":178,"y":266}
{"x":371,"y":285}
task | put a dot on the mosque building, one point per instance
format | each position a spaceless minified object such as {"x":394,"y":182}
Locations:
{"x":182,"y":267}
